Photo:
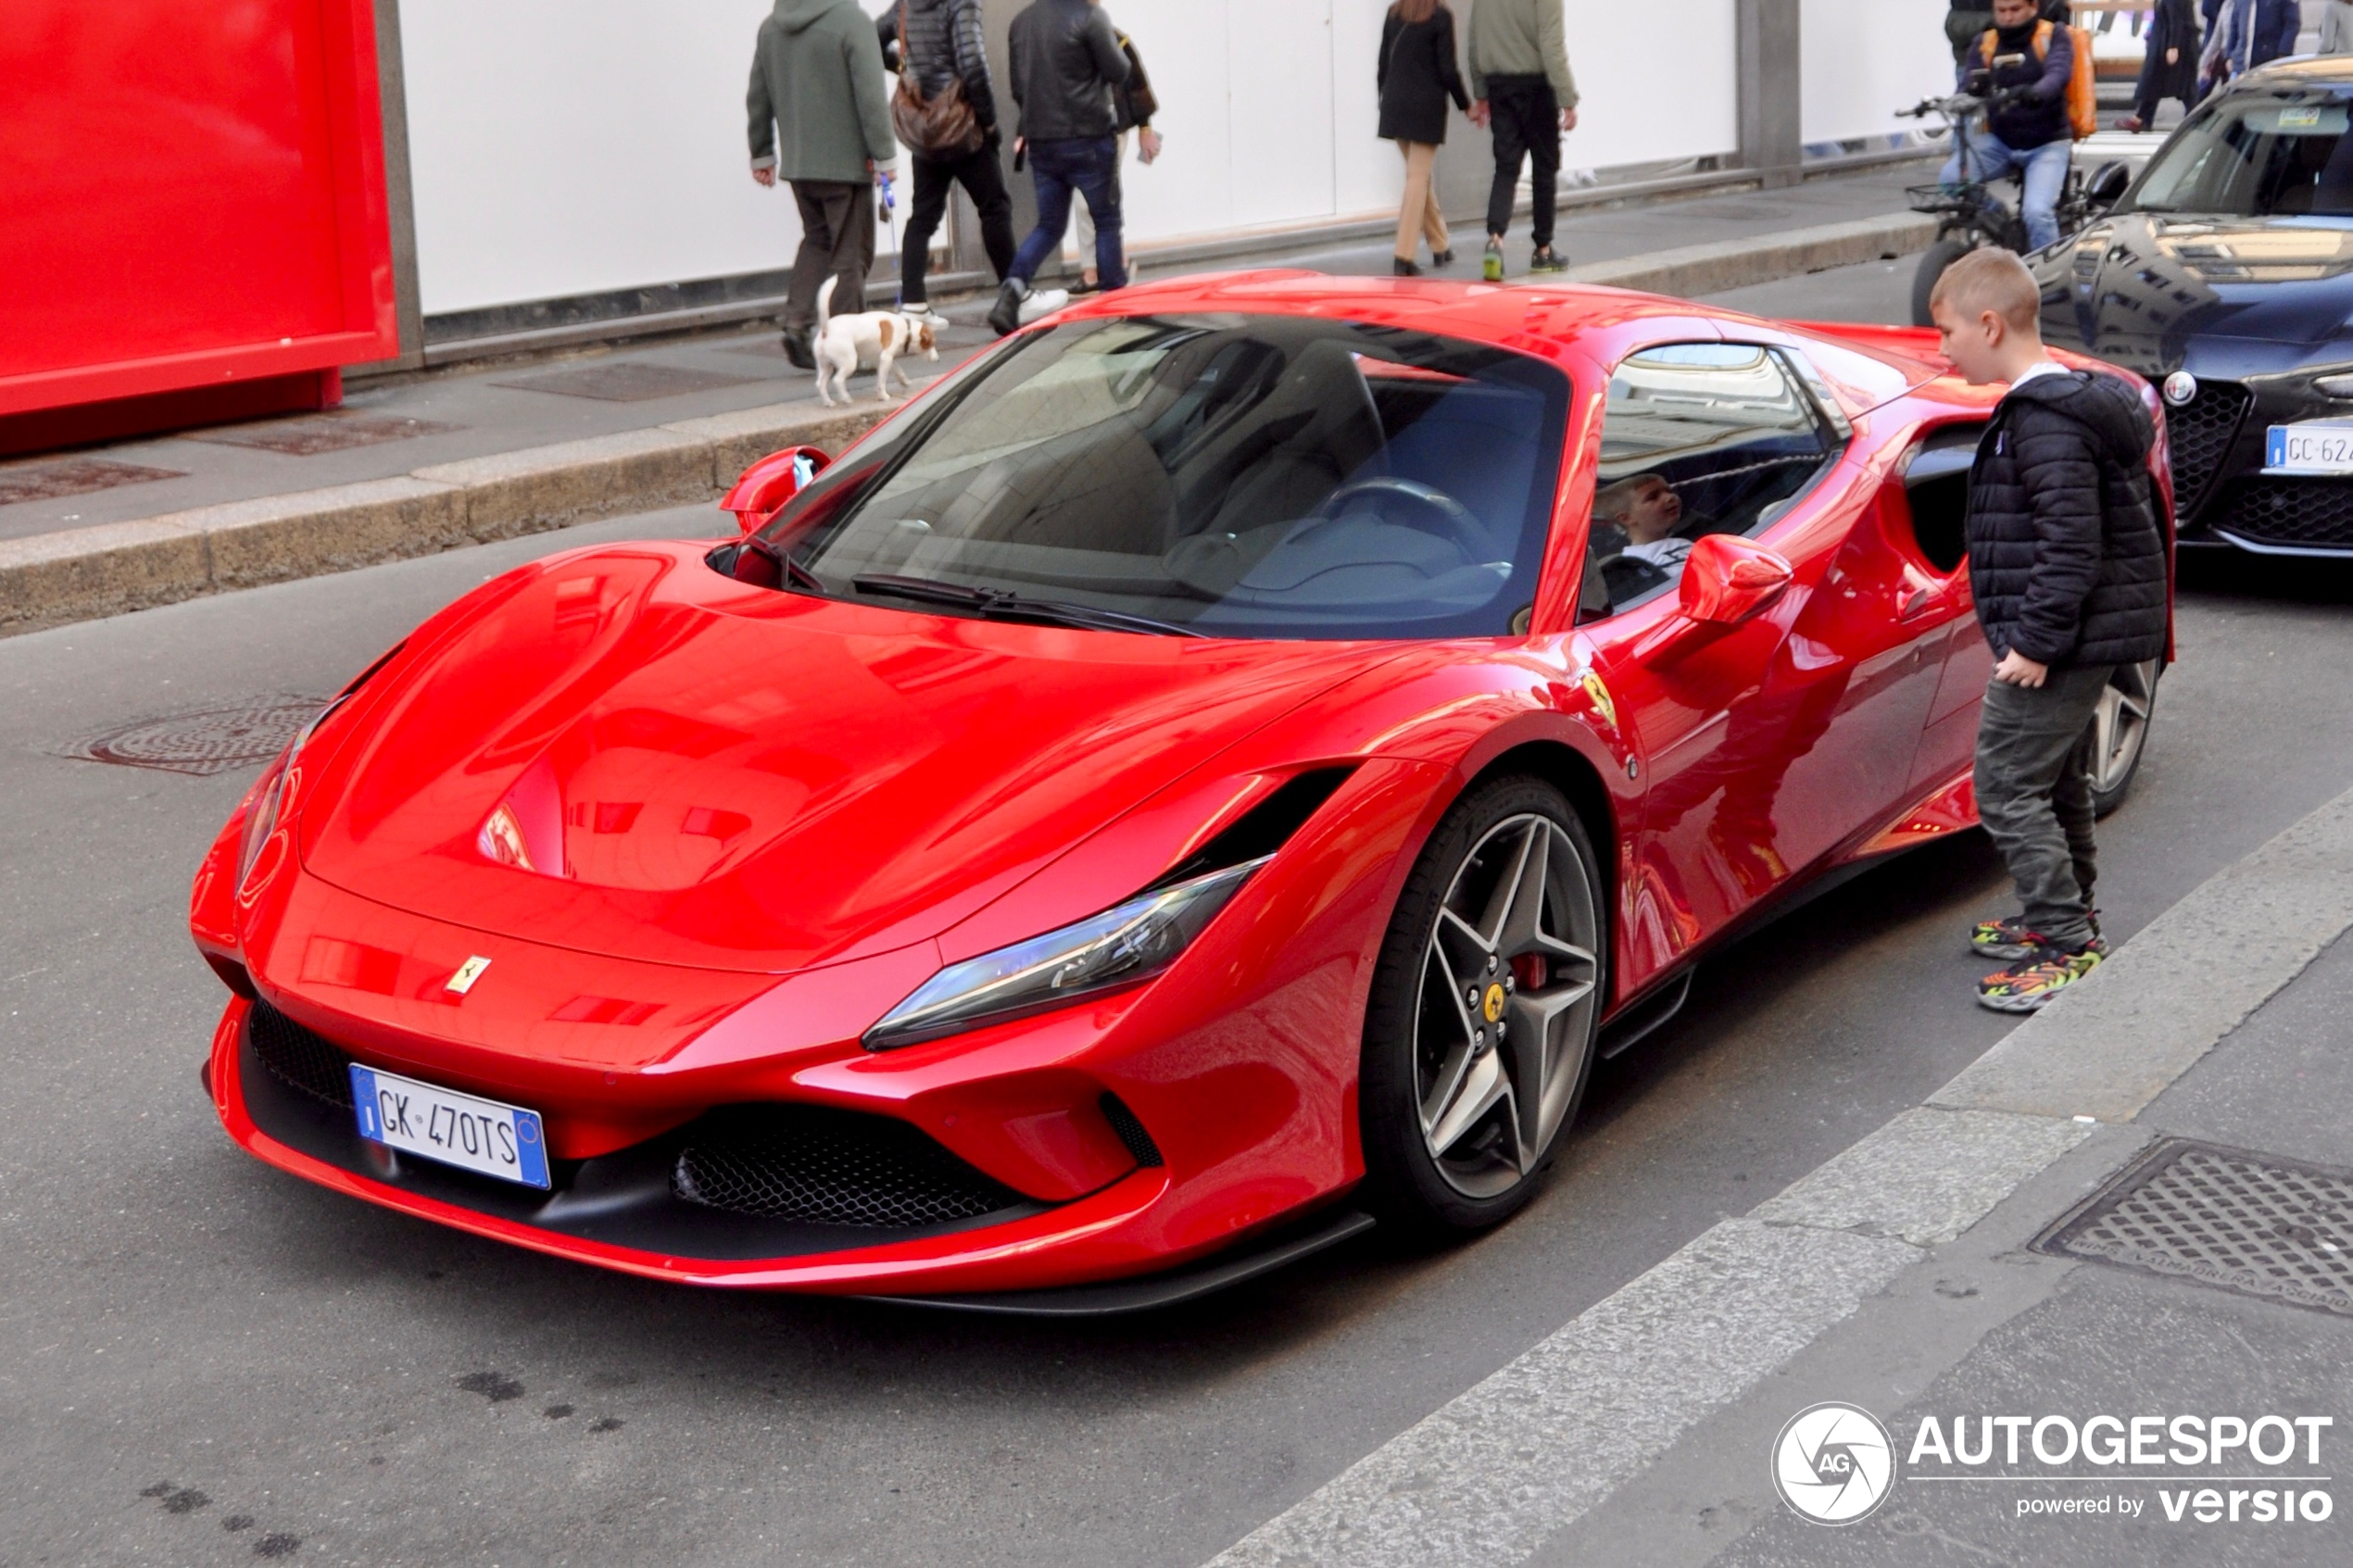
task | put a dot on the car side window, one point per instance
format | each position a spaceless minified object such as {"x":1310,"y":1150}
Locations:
{"x":1697,"y":438}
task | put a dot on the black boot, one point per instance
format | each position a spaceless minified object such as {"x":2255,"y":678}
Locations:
{"x":1400,"y":267}
{"x":797,"y":348}
{"x":1005,"y":318}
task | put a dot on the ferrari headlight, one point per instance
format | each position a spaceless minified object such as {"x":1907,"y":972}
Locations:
{"x":1127,"y":943}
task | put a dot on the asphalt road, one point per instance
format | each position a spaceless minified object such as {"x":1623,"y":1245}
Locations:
{"x":202,"y":1360}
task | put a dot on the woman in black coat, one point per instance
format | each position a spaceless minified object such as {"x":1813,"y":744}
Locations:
{"x":1417,"y":75}
{"x":2170,"y":68}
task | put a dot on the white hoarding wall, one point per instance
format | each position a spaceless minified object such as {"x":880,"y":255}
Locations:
{"x":570,"y":147}
{"x":1864,"y":59}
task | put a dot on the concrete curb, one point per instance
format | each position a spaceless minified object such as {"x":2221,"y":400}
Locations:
{"x":1499,"y":1470}
{"x":1737,"y":264}
{"x":83,"y":573}
{"x":80,"y":574}
{"x":2109,"y":1047}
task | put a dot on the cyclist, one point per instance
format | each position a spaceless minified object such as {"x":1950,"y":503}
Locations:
{"x":2026,"y":124}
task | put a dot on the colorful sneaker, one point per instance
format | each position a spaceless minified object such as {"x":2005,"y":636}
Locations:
{"x":1491,"y":267}
{"x":2026,"y":985}
{"x":1547,"y":259}
{"x":2010,"y":939}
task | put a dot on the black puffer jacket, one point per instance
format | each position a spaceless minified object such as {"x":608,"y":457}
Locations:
{"x":945,"y":43}
{"x":2067,"y":557}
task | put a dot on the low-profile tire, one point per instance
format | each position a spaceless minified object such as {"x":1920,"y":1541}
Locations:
{"x":1480,"y":1030}
{"x":2120,"y":733}
{"x":1934,"y":261}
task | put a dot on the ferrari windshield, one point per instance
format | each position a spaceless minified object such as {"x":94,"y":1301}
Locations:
{"x":1229,"y":476}
{"x":2256,"y":156}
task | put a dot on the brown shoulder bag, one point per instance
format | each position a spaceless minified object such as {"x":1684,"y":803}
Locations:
{"x":942,"y":127}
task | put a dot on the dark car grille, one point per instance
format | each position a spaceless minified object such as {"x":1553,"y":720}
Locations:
{"x":302,"y":1059}
{"x":2201,"y":432}
{"x":829,"y":1167}
{"x":2297,"y":512}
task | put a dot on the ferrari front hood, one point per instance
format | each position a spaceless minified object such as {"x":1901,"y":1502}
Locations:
{"x":633,"y":756}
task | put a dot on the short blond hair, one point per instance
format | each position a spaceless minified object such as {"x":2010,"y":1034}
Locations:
{"x":1991,"y":279}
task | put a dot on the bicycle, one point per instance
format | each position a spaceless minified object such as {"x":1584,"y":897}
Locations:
{"x":1968,"y":213}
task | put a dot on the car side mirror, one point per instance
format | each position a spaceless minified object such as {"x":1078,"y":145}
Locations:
{"x":773,"y":481}
{"x":1727,"y":582}
{"x":2108,"y":184}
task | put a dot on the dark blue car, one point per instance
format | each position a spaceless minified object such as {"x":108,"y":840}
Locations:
{"x":2225,"y":275}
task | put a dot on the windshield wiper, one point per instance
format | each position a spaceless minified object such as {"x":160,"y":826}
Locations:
{"x":998,"y":602}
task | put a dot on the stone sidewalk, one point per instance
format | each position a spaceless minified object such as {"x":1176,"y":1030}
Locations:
{"x":418,"y":464}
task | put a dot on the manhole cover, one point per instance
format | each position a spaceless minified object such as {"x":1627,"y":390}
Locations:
{"x":2256,"y":1223}
{"x":312,"y":434}
{"x":202,"y":744}
{"x":631,"y":381}
{"x":75,"y":476}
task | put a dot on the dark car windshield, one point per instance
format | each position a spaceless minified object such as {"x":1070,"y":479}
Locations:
{"x":1235,"y":476}
{"x":2256,"y":156}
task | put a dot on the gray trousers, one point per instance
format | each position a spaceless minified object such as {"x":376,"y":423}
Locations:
{"x":838,"y":239}
{"x":2034,"y":795}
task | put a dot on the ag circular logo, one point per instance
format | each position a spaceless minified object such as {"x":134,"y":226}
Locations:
{"x":1834,"y":1463}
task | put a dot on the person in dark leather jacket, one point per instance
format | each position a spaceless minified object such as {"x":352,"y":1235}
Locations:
{"x":1065,"y":60}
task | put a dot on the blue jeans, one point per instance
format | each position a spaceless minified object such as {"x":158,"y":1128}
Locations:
{"x":1088,"y":165}
{"x":1991,"y":159}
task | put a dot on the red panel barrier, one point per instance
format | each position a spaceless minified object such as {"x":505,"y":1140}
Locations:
{"x":194,"y":197}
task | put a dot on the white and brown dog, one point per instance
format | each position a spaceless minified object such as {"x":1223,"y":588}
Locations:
{"x":872,"y":340}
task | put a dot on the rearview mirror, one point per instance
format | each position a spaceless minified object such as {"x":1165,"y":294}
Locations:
{"x":1728,"y":579}
{"x":2108,"y":184}
{"x":769,"y":483}
{"x":1727,"y":582}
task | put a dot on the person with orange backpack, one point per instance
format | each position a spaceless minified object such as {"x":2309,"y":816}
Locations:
{"x":2025,"y":68}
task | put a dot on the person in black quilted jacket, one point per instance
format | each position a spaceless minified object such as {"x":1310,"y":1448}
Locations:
{"x":2070,"y":568}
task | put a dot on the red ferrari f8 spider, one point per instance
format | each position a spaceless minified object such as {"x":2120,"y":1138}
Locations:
{"x":1218,"y":767}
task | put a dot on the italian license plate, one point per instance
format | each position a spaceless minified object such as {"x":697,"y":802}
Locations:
{"x":2320,"y":446}
{"x":498,"y":1140}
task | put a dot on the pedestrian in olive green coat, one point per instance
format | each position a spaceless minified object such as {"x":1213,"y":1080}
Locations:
{"x":821,"y":121}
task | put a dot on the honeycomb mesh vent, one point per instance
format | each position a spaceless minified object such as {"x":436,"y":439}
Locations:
{"x":1131,"y":1129}
{"x":302,"y":1059}
{"x":829,"y":1167}
{"x":2289,"y":511}
{"x":2201,"y":434}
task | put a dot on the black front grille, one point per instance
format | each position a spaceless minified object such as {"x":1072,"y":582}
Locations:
{"x":828,"y":1167}
{"x":2201,"y":434}
{"x":302,"y":1059}
{"x":2297,"y":512}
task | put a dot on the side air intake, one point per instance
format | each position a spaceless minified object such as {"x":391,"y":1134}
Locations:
{"x":1266,"y":827}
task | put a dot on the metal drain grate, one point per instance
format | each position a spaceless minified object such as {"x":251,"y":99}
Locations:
{"x":630,"y":381}
{"x":75,"y":476}
{"x":2254,"y":1223}
{"x":310,"y":435}
{"x":202,"y":744}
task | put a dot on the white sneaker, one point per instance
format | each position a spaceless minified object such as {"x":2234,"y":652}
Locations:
{"x":1041,"y":303}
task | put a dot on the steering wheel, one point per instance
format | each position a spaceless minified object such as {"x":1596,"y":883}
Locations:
{"x":1455,"y":522}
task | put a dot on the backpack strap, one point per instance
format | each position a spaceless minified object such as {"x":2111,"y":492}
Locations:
{"x":1992,"y":38}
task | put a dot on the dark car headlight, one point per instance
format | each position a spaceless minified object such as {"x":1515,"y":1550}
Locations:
{"x":1124,"y":943}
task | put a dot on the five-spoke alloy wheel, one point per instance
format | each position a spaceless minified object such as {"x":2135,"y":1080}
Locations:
{"x":2121,"y":731}
{"x":1484,"y":1011}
